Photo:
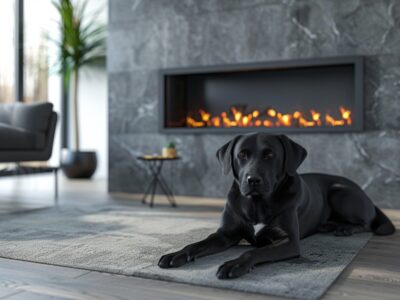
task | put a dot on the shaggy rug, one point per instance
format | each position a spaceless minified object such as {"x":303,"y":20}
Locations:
{"x":121,"y":240}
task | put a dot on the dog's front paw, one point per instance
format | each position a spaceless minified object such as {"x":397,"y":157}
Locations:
{"x":234,"y":268}
{"x":174,"y":260}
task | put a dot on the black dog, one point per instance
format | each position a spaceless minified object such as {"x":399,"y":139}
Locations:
{"x":273,"y":207}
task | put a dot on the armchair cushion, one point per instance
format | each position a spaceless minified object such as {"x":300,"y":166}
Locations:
{"x":32,"y":117}
{"x":13,"y":138}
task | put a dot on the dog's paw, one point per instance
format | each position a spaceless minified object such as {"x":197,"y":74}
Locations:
{"x":234,"y":268}
{"x":326,"y":228}
{"x":174,"y":260}
{"x":344,"y":230}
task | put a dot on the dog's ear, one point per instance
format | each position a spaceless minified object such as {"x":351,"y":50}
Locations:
{"x":294,"y":154}
{"x":225,"y":155}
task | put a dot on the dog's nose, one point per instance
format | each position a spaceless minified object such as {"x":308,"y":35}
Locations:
{"x":253,"y":180}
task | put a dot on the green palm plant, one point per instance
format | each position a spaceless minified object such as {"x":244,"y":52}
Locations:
{"x":81,"y":43}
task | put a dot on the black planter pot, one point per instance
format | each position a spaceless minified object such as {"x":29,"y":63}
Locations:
{"x":78,"y":164}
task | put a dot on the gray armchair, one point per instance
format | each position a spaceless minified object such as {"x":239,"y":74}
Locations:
{"x":26,"y":132}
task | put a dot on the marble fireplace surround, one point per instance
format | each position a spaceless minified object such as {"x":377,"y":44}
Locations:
{"x":145,"y":36}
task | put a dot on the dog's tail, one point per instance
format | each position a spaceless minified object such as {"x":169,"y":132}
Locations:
{"x":381,"y":225}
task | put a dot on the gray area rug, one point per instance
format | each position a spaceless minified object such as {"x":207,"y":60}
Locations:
{"x":125,"y":241}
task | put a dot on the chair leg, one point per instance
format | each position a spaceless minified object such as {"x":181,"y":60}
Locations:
{"x":56,"y":187}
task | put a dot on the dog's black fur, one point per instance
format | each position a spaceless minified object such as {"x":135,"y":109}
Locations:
{"x":268,"y":190}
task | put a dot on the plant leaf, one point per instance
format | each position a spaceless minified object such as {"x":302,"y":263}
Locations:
{"x":82,"y":38}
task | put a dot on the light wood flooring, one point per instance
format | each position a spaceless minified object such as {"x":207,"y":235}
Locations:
{"x":374,"y":274}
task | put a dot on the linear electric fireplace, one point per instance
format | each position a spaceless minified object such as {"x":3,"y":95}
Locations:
{"x":309,"y":95}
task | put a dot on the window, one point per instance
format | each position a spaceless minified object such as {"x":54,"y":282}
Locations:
{"x":7,"y":51}
{"x":39,"y":21}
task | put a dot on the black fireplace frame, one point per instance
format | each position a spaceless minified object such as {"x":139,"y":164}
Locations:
{"x":358,"y":109}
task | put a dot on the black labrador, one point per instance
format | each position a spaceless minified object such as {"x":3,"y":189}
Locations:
{"x":272,"y":207}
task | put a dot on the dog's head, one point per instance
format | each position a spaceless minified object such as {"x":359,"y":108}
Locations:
{"x":260,"y":161}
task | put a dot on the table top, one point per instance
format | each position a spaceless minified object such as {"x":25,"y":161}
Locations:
{"x":157,"y":157}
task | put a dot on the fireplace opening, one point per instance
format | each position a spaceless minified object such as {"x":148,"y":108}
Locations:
{"x":310,"y":95}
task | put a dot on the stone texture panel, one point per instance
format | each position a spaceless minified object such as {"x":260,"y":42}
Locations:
{"x":147,"y":35}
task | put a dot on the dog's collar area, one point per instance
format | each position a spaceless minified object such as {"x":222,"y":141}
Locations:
{"x":258,"y":227}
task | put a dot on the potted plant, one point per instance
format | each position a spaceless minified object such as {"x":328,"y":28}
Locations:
{"x":82,"y":43}
{"x":169,"y":150}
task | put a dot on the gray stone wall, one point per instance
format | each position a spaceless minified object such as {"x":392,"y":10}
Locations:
{"x":147,"y":35}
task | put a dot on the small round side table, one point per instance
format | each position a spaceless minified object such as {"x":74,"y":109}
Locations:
{"x":155,"y":164}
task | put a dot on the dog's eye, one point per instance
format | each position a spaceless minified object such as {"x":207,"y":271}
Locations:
{"x":269,"y":155}
{"x":242,"y":155}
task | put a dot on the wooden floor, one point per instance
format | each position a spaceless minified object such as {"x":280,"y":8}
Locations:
{"x":374,"y":274}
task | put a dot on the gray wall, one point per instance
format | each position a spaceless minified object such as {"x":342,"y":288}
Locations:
{"x":145,"y":36}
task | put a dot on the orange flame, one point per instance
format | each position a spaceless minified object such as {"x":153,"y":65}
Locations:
{"x":346,"y":114}
{"x":205,"y":116}
{"x":271,"y":112}
{"x":316,"y":116}
{"x":271,"y":118}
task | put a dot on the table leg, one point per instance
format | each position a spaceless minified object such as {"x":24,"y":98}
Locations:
{"x":167,"y":191}
{"x":151,"y":204}
{"x":155,"y":169}
{"x":146,"y":193}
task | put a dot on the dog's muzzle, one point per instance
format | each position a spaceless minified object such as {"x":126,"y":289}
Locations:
{"x":252,"y":186}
